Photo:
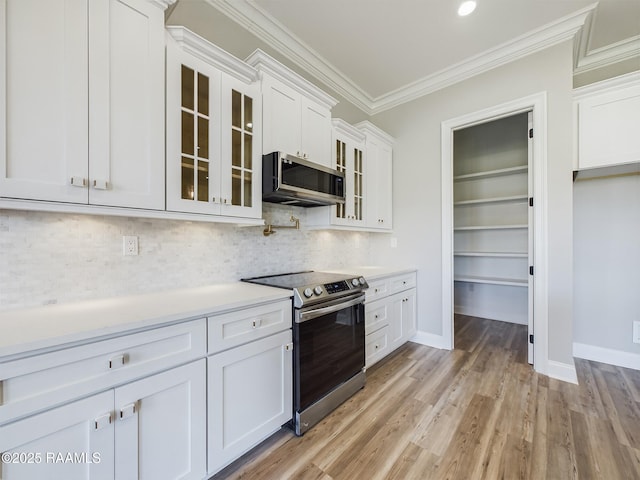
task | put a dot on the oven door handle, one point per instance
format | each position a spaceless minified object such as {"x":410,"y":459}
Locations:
{"x":339,"y":305}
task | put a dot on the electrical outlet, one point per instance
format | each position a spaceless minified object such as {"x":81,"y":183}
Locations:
{"x":636,"y":332}
{"x":129,"y":245}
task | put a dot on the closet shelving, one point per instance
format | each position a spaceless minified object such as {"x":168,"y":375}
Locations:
{"x":491,"y":195}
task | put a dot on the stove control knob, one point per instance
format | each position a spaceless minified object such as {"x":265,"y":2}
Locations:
{"x":355,"y":282}
{"x":318,"y":290}
{"x":361,"y":280}
{"x":308,"y":292}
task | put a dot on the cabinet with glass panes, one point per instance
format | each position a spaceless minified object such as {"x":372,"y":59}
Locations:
{"x":213,"y":130}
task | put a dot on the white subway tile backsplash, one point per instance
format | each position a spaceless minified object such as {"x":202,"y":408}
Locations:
{"x":56,"y":258}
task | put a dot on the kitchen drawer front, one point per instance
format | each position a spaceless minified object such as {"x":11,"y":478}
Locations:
{"x":43,"y":381}
{"x":376,"y":316}
{"x":402,"y":282}
{"x":249,"y":324}
{"x":376,"y":346}
{"x":377,"y":289}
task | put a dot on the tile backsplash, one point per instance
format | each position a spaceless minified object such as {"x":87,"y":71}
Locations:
{"x":58,"y":258}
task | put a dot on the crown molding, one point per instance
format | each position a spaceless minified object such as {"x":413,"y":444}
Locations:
{"x":264,"y":63}
{"x":250,"y":16}
{"x":627,"y":49}
{"x":369,"y":128}
{"x":211,"y":54}
{"x":346,"y":129}
{"x":609,"y":85}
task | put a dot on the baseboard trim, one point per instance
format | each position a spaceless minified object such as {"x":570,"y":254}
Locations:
{"x":607,"y":355}
{"x":431,"y":340}
{"x":562,"y":371}
{"x":489,"y":315}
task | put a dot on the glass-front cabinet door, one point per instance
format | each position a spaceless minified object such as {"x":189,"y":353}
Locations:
{"x":214,"y":112}
{"x":241,"y":148}
{"x":193,"y":134}
{"x":348,"y":144}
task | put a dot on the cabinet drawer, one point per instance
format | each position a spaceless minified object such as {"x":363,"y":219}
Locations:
{"x":402,"y":282}
{"x":376,"y":316}
{"x":42,"y":381}
{"x":376,"y":346}
{"x":236,"y":328}
{"x":377,"y":289}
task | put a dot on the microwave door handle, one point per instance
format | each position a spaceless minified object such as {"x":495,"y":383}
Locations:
{"x":318,"y":312}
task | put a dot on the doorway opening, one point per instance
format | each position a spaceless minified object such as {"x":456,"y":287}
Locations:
{"x":492,"y":224}
{"x":494,"y":220}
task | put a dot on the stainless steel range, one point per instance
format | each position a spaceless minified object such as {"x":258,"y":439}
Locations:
{"x":328,"y":340}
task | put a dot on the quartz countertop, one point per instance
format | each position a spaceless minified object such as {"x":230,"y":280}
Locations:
{"x":24,"y":331}
{"x":370,"y":272}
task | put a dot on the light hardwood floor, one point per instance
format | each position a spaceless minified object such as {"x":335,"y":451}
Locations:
{"x":479,"y":411}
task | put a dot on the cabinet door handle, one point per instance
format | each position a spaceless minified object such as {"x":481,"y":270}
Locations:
{"x":128,"y":411}
{"x":118,"y":361}
{"x":102,"y":421}
{"x":288,"y":347}
{"x":100,"y":184}
{"x":78,"y":182}
{"x":256,"y":323}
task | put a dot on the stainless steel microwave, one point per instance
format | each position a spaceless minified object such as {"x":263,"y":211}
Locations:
{"x":295,"y":181}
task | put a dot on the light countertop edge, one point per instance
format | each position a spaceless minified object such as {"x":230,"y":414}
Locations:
{"x":27,"y":331}
{"x":374,"y":272}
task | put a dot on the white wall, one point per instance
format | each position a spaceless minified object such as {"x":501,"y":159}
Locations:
{"x":606,"y":228}
{"x":56,"y":258}
{"x":417,"y":191}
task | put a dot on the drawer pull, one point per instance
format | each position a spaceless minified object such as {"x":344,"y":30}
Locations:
{"x":288,"y":347}
{"x":256,"y":323}
{"x":118,"y":361}
{"x":78,"y":182}
{"x":128,"y":411}
{"x":376,"y":316}
{"x":102,"y":421}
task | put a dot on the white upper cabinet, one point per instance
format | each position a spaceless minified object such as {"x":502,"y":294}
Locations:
{"x":82,"y":101}
{"x":213,"y":130}
{"x":378,"y":155}
{"x":608,"y":122}
{"x":348,"y":158}
{"x":296,"y":114}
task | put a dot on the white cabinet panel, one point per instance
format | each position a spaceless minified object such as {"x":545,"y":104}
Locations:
{"x":376,"y":346}
{"x":297,"y":115}
{"x":126,"y":104}
{"x":82,"y":102}
{"x":42,"y":381}
{"x":160,"y":428}
{"x":82,"y":429}
{"x":608,"y":126}
{"x":246,"y":325}
{"x":43,"y":99}
{"x":250,"y":396}
{"x":315,"y":139}
{"x":282,"y":125}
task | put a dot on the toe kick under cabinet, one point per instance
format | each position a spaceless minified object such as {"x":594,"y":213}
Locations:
{"x":130,"y":407}
{"x":390,"y":315}
{"x":250,"y":380}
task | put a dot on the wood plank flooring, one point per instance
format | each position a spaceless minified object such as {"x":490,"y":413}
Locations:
{"x":479,"y":411}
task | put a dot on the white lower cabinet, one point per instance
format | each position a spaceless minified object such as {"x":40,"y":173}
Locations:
{"x":150,"y":429}
{"x":390,"y":315}
{"x":250,"y":396}
{"x":160,"y":426}
{"x":37,"y":446}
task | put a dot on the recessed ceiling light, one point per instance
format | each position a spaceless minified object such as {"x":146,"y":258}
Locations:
{"x":466,"y":8}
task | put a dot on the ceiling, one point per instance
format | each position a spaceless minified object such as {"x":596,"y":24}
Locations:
{"x":380,"y":53}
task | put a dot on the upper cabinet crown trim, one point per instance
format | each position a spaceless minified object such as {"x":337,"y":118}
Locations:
{"x":267,"y":64}
{"x":163,"y":4}
{"x":348,"y":129}
{"x":206,"y":51}
{"x":368,"y":127}
{"x":622,"y":81}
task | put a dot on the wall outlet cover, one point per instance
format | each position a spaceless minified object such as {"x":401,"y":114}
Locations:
{"x":129,"y":245}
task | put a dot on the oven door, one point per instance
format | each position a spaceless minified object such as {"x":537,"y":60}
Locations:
{"x":328,"y":347}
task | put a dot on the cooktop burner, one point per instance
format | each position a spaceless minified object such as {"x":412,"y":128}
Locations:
{"x":310,"y":287}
